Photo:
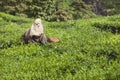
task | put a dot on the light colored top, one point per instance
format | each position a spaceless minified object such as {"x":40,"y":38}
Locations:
{"x":36,"y":28}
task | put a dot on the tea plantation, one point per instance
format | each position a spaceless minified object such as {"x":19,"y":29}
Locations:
{"x":89,"y":49}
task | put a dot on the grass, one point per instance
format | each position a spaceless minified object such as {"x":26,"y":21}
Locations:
{"x":85,"y":51}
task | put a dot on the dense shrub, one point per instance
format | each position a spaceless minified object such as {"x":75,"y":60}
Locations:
{"x":50,"y":10}
{"x":110,"y":7}
{"x":110,"y":24}
{"x":83,"y":53}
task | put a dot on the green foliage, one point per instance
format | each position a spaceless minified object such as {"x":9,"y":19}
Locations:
{"x":60,"y":10}
{"x":111,"y":23}
{"x":84,"y":52}
{"x":42,"y":8}
{"x":49,"y":10}
{"x":11,"y":18}
{"x":81,"y":10}
{"x":110,"y":7}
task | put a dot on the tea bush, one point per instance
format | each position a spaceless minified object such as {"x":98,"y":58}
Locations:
{"x":84,"y":52}
{"x":111,"y":23}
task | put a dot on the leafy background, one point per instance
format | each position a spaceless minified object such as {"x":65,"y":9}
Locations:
{"x":89,"y":33}
{"x":88,"y":50}
{"x":60,"y":10}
